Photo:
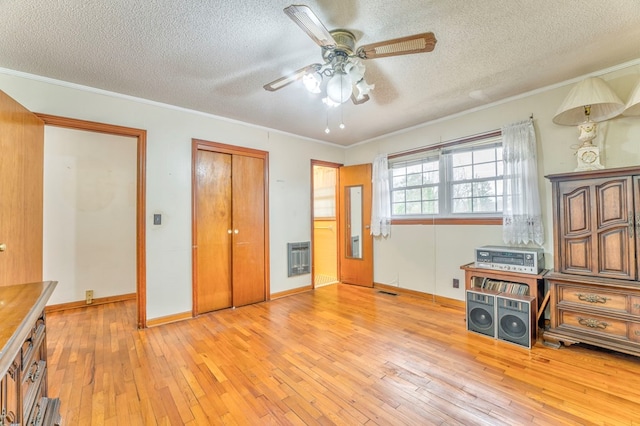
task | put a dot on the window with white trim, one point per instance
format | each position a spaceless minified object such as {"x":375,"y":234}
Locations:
{"x":456,"y":180}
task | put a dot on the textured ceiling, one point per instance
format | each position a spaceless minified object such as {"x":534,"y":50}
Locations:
{"x":215,"y":56}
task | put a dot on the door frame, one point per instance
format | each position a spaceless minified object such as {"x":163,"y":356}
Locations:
{"x":141,"y":166}
{"x":197,"y":144}
{"x":335,"y":166}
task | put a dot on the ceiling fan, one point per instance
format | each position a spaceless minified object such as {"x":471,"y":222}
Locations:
{"x":342,"y":61}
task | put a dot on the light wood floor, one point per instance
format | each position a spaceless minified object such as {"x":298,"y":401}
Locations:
{"x":338,"y":355}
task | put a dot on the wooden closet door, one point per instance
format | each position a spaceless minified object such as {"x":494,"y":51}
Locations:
{"x":21,"y":189}
{"x":213,"y":240}
{"x":248,"y":258}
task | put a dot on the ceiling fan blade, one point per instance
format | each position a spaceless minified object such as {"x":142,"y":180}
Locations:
{"x":357,"y":101}
{"x":290,"y":78}
{"x":417,"y":43}
{"x":310,"y":24}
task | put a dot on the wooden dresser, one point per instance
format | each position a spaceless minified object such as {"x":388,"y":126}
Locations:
{"x":23,"y":358}
{"x":594,"y":288}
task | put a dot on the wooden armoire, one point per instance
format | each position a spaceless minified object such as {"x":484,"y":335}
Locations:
{"x":230,"y":230}
{"x":595,"y":286}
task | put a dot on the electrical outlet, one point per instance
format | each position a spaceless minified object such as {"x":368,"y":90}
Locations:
{"x":89,"y":297}
{"x":456,"y":283}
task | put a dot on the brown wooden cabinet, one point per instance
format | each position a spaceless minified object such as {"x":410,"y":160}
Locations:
{"x":23,"y":357}
{"x":594,"y":288}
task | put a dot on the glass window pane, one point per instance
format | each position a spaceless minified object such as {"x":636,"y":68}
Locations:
{"x":397,"y":196}
{"x":398,"y":209}
{"x":414,"y":168}
{"x":414,"y":179}
{"x":484,"y":204}
{"x":430,"y":193}
{"x":429,"y":207}
{"x":484,"y":155}
{"x":413,"y":194}
{"x":399,"y":171}
{"x":462,"y":173}
{"x":462,"y":190}
{"x":431,"y":166}
{"x":430,"y":177}
{"x":414,"y":208}
{"x":462,"y":205}
{"x":485,"y":170}
{"x":462,"y":158}
{"x":399,"y":181}
{"x":484,"y":188}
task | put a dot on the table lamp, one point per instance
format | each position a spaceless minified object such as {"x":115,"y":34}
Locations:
{"x":588,"y":103}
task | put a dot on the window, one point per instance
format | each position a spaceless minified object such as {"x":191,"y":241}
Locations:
{"x":454,"y":180}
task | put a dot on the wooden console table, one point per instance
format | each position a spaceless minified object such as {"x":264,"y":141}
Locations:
{"x":534,"y":281}
{"x":23,"y":356}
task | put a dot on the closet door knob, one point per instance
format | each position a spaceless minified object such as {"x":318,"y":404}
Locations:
{"x":228,"y":231}
{"x":3,"y":247}
{"x":235,"y":232}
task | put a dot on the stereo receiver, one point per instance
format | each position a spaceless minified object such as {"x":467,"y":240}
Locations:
{"x":512,"y":259}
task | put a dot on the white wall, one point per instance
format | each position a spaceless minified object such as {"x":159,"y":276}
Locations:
{"x":426,"y":257}
{"x":418,"y":257}
{"x":169,"y":134}
{"x":89,"y":207}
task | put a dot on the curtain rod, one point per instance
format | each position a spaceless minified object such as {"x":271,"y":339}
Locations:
{"x":466,"y":139}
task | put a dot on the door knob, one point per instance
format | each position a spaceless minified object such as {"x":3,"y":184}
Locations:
{"x":228,"y":231}
{"x":235,"y":232}
{"x":3,"y":247}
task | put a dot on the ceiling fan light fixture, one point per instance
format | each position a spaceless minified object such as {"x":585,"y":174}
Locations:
{"x":339,"y":87}
{"x":312,"y":82}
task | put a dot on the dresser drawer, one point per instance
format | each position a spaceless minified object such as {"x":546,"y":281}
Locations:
{"x":589,"y":323}
{"x":32,"y":347}
{"x":33,"y":385}
{"x":595,"y":298}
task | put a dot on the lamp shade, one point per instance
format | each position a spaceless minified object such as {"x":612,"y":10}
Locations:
{"x":633,"y":104}
{"x":594,"y":92}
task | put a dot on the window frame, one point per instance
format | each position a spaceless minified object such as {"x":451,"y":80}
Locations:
{"x":446,"y":184}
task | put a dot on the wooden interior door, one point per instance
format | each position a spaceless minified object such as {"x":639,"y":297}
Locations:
{"x":230,"y":226}
{"x":213,"y":239}
{"x":355,"y":240}
{"x":21,"y":186}
{"x":248,"y":258}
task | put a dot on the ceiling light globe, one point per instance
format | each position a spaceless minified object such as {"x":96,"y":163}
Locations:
{"x":312,"y":82}
{"x":339,"y":87}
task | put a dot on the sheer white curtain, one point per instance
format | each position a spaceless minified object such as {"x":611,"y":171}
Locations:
{"x":522,"y":218}
{"x":381,"y":201}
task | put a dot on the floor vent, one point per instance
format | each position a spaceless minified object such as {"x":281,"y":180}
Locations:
{"x":299,"y":255}
{"x":390,"y":293}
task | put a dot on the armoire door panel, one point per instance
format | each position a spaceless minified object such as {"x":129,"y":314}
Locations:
{"x":213,"y":218}
{"x":578,"y":255}
{"x":248,"y":230}
{"x":614,"y":259}
{"x":577,"y":215}
{"x":612,"y":202}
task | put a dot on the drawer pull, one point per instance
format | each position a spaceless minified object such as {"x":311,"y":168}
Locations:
{"x":592,"y":323}
{"x":637,"y":332}
{"x":592,"y":298}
